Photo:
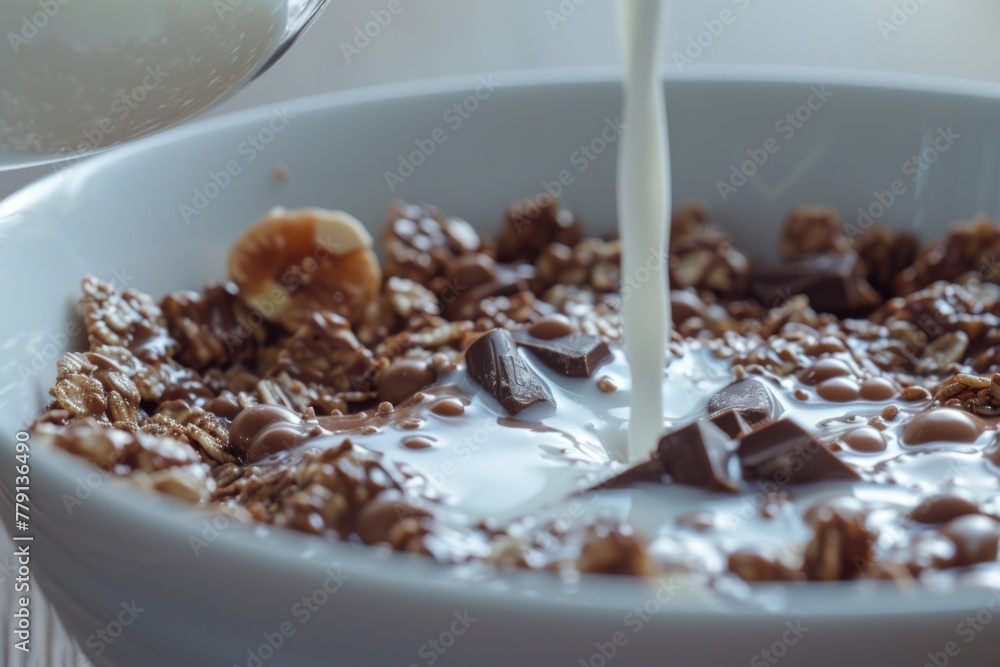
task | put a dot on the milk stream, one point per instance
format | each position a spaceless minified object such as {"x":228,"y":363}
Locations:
{"x":643,"y":220}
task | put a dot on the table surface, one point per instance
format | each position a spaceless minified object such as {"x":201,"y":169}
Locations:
{"x":50,"y":645}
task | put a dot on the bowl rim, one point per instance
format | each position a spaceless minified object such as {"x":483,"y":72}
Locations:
{"x":398,"y":572}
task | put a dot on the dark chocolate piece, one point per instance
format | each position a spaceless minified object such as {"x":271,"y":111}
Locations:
{"x":698,"y":455}
{"x":785,"y":453}
{"x":833,"y":282}
{"x":647,"y":472}
{"x":495,"y":363}
{"x":731,"y":422}
{"x":576,"y":355}
{"x":750,"y":398}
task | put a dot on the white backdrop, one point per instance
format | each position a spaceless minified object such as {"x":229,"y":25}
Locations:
{"x":431,"y":38}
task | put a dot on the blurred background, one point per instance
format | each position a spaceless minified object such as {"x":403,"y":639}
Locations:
{"x":433,"y":38}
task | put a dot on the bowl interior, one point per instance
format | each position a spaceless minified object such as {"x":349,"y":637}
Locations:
{"x":160,"y":215}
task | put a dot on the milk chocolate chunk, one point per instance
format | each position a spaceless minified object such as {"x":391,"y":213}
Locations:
{"x":576,"y":355}
{"x":945,"y":507}
{"x":698,"y":455}
{"x":403,"y":379}
{"x":263,"y":430}
{"x":833,"y":282}
{"x":786,"y":453}
{"x":647,"y":472}
{"x":731,"y":422}
{"x":495,"y":363}
{"x":751,"y":399}
{"x":976,"y":538}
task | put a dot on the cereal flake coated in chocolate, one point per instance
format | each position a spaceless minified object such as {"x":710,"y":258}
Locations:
{"x":832,"y":283}
{"x":842,"y":546}
{"x":969,"y":246}
{"x":126,"y":319}
{"x":575,"y":355}
{"x":401,"y":302}
{"x":420,"y":242}
{"x":698,"y":455}
{"x":496,"y":365}
{"x":812,"y":230}
{"x":212,"y":327}
{"x":885,"y":253}
{"x":532,"y":224}
{"x":751,"y":398}
{"x":591,"y":263}
{"x":785,"y":453}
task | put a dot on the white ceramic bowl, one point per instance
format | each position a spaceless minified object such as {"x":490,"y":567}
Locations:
{"x":122,"y":217}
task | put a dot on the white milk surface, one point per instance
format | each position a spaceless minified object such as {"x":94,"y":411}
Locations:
{"x":82,"y":74}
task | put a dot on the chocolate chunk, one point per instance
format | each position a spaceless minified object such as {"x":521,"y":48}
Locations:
{"x":976,"y":538}
{"x":468,"y":271}
{"x":787,"y":454}
{"x":731,"y":422}
{"x":379,"y":519}
{"x":576,"y":355}
{"x":495,"y":363}
{"x":945,"y":507}
{"x":403,"y":379}
{"x":751,"y":399}
{"x":698,"y":455}
{"x":832,"y":282}
{"x":262,"y":430}
{"x":552,"y":326}
{"x":647,"y":472}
